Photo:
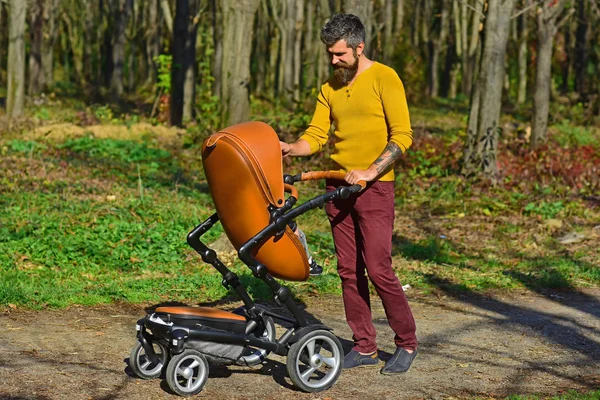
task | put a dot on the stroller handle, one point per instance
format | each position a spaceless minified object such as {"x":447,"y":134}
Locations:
{"x":311,"y":176}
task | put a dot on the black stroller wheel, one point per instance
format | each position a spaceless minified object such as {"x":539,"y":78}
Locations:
{"x":314,"y":363}
{"x":187,"y":373}
{"x":256,"y":356}
{"x":142,"y":366}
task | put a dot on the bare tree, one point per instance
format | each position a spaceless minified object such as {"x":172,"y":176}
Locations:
{"x":167,"y":16}
{"x":523,"y":33}
{"x":547,"y":27}
{"x":152,"y":39}
{"x":297,"y":60}
{"x":184,"y":55}
{"x":436,"y":41}
{"x":217,"y":28}
{"x":121,"y":10}
{"x":238,"y":22}
{"x":582,"y":35}
{"x":36,"y":75}
{"x":283,"y":14}
{"x":15,"y":98}
{"x":388,"y":31}
{"x":363,"y":9}
{"x":470,"y":42}
{"x":479,"y":156}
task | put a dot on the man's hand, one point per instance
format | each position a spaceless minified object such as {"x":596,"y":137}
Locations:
{"x":285,"y":149}
{"x":298,"y":148}
{"x":356,"y":175}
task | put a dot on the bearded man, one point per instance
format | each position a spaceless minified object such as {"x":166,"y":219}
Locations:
{"x":367,"y":104}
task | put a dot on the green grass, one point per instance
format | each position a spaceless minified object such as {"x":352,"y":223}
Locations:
{"x":88,"y":220}
{"x":570,"y":395}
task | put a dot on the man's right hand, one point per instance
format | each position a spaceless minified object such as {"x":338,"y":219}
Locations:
{"x":285,"y":149}
{"x":298,"y":148}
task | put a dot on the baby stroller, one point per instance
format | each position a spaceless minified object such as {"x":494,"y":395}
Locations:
{"x":244,"y":172}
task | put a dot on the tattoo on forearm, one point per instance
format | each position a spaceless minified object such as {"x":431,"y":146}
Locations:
{"x":388,"y":157}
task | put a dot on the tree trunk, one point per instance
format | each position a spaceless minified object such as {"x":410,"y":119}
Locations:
{"x":523,"y":35}
{"x":36,"y":76}
{"x":88,"y":43}
{"x":437,"y":46}
{"x":152,"y":40}
{"x":311,"y":45}
{"x":217,"y":65}
{"x":363,"y":9}
{"x":581,"y":48}
{"x":121,"y":14}
{"x":297,"y":61}
{"x":189,"y":87}
{"x":261,"y":48}
{"x":287,"y":51}
{"x":184,"y":56}
{"x":167,"y":16}
{"x":479,"y":156}
{"x":49,"y":40}
{"x":547,"y":28}
{"x":15,"y":98}
{"x":399,"y":19}
{"x":273,"y":75}
{"x":3,"y":44}
{"x":469,"y":57}
{"x":323,"y":62}
{"x":238,"y":24}
{"x":388,"y":31}
{"x":415,"y":27}
{"x":279,"y":8}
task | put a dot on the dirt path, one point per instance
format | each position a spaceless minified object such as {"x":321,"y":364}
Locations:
{"x":470,"y":345}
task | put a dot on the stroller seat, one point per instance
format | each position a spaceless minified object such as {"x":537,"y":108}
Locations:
{"x":244,"y":172}
{"x":202,"y":312}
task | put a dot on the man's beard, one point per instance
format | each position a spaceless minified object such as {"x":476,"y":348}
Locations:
{"x":344,"y":73}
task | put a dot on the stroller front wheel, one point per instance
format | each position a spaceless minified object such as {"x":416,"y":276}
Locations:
{"x":187,"y":372}
{"x":142,"y":366}
{"x":256,"y":356}
{"x":314,"y":363}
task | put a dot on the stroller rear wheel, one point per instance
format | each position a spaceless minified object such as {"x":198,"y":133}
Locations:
{"x":187,"y":372}
{"x":314,"y":363}
{"x":142,"y":366}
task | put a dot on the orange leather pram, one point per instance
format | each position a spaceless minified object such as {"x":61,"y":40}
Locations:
{"x":244,"y":171}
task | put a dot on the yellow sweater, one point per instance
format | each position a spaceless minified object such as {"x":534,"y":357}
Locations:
{"x":367,"y":115}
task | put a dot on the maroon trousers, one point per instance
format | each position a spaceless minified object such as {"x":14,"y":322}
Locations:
{"x":362,"y":232}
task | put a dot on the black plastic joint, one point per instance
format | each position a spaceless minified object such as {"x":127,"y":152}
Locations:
{"x":289,"y":179}
{"x":209,"y":256}
{"x":231,"y":278}
{"x":344,"y":192}
{"x":281,"y":223}
{"x":283,"y":294}
{"x":261,"y":271}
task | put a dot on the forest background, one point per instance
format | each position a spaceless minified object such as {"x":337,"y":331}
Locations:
{"x":104,"y":105}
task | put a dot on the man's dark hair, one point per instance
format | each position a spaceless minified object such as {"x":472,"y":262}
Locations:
{"x":343,"y":26}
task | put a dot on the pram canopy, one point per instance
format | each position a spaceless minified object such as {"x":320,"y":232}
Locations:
{"x":243,"y":167}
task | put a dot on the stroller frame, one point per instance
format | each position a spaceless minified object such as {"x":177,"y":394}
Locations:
{"x":167,"y":335}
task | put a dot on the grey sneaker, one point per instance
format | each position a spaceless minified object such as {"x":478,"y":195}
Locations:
{"x":355,"y":359}
{"x":400,"y":362}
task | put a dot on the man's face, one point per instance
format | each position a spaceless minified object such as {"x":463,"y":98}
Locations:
{"x":344,"y":60}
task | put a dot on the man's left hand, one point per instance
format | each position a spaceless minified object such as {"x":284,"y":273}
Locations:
{"x":356,"y":175}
